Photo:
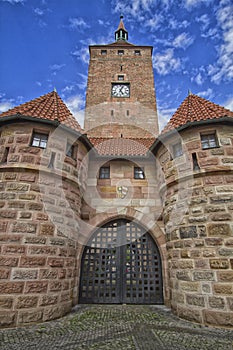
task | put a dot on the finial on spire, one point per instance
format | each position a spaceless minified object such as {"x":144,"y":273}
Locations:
{"x":189,"y":92}
{"x":54,"y":89}
{"x":121,"y":16}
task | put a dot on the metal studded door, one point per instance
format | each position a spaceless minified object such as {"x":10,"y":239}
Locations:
{"x":121,"y":264}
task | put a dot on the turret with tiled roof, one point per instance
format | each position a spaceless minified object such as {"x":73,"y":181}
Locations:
{"x":196,"y":109}
{"x":48,"y":107}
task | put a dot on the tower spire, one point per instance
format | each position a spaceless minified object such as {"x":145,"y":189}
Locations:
{"x":121,"y":33}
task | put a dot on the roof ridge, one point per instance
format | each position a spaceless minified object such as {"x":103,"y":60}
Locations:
{"x":55,"y":96}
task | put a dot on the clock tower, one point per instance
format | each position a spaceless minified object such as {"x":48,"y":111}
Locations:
{"x":120,"y":97}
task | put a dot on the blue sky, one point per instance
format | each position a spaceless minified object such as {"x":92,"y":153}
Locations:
{"x":44,"y":44}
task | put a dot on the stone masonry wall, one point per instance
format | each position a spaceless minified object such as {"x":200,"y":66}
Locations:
{"x":39,"y":227}
{"x":198,"y":213}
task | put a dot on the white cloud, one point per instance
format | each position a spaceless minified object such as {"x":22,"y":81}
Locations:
{"x":183,"y":40}
{"x":174,"y":24}
{"x":72,"y":86}
{"x":165,"y":62}
{"x":204,"y":20}
{"x":76,"y":105}
{"x":42,"y":24}
{"x":134,"y":7}
{"x":4,"y":106}
{"x":56,"y":68}
{"x":78,"y":23}
{"x":206,"y":94}
{"x":198,"y":79}
{"x":153,"y":22}
{"x":212,"y":33}
{"x":223,"y":68}
{"x":81,"y":54}
{"x":82,"y":82}
{"x":193,"y":3}
{"x":164,"y":115}
{"x":198,"y":75}
{"x":229,"y":104}
{"x":68,"y":89}
{"x":38,"y":11}
{"x":15,"y":1}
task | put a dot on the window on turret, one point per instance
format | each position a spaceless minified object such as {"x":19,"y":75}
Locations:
{"x":137,"y":52}
{"x":71,"y":150}
{"x":209,"y":140}
{"x":104,"y":172}
{"x":5,"y":155}
{"x":39,"y":140}
{"x":121,"y":52}
{"x":177,"y":150}
{"x":103,"y":52}
{"x":121,"y":77}
{"x":139,"y":173}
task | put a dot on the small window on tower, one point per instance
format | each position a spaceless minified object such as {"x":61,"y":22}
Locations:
{"x":5,"y":155}
{"x":177,"y":150}
{"x":121,"y":52}
{"x":71,"y":150}
{"x":103,"y":52}
{"x":209,"y":140}
{"x":139,"y":173}
{"x":39,"y":140}
{"x":137,"y":52}
{"x":104,"y":172}
{"x":121,"y":77}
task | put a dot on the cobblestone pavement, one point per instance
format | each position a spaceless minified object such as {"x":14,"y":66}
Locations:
{"x":121,"y":327}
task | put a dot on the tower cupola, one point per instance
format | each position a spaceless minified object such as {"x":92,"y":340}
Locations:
{"x":121,"y":33}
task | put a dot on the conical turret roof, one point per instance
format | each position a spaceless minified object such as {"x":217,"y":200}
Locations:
{"x":121,"y":24}
{"x":195,"y":108}
{"x":49,"y":106}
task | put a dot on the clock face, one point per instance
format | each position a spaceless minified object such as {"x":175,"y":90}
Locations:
{"x":120,"y":90}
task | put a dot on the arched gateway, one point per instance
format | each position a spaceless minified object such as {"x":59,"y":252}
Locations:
{"x":121,"y":264}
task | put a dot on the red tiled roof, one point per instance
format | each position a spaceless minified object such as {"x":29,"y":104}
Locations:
{"x":195,"y":108}
{"x":49,"y":106}
{"x":121,"y":25}
{"x":121,"y":146}
{"x":120,"y":43}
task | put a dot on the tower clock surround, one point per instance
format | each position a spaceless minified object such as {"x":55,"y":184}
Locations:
{"x":120,"y":89}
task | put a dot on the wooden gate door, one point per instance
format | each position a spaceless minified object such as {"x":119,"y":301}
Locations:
{"x":121,"y":264}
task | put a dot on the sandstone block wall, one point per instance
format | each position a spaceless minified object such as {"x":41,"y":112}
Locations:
{"x":198,"y":213}
{"x":39,"y":227}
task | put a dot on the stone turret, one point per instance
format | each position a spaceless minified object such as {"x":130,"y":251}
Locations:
{"x":196,"y":182}
{"x":42,"y":172}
